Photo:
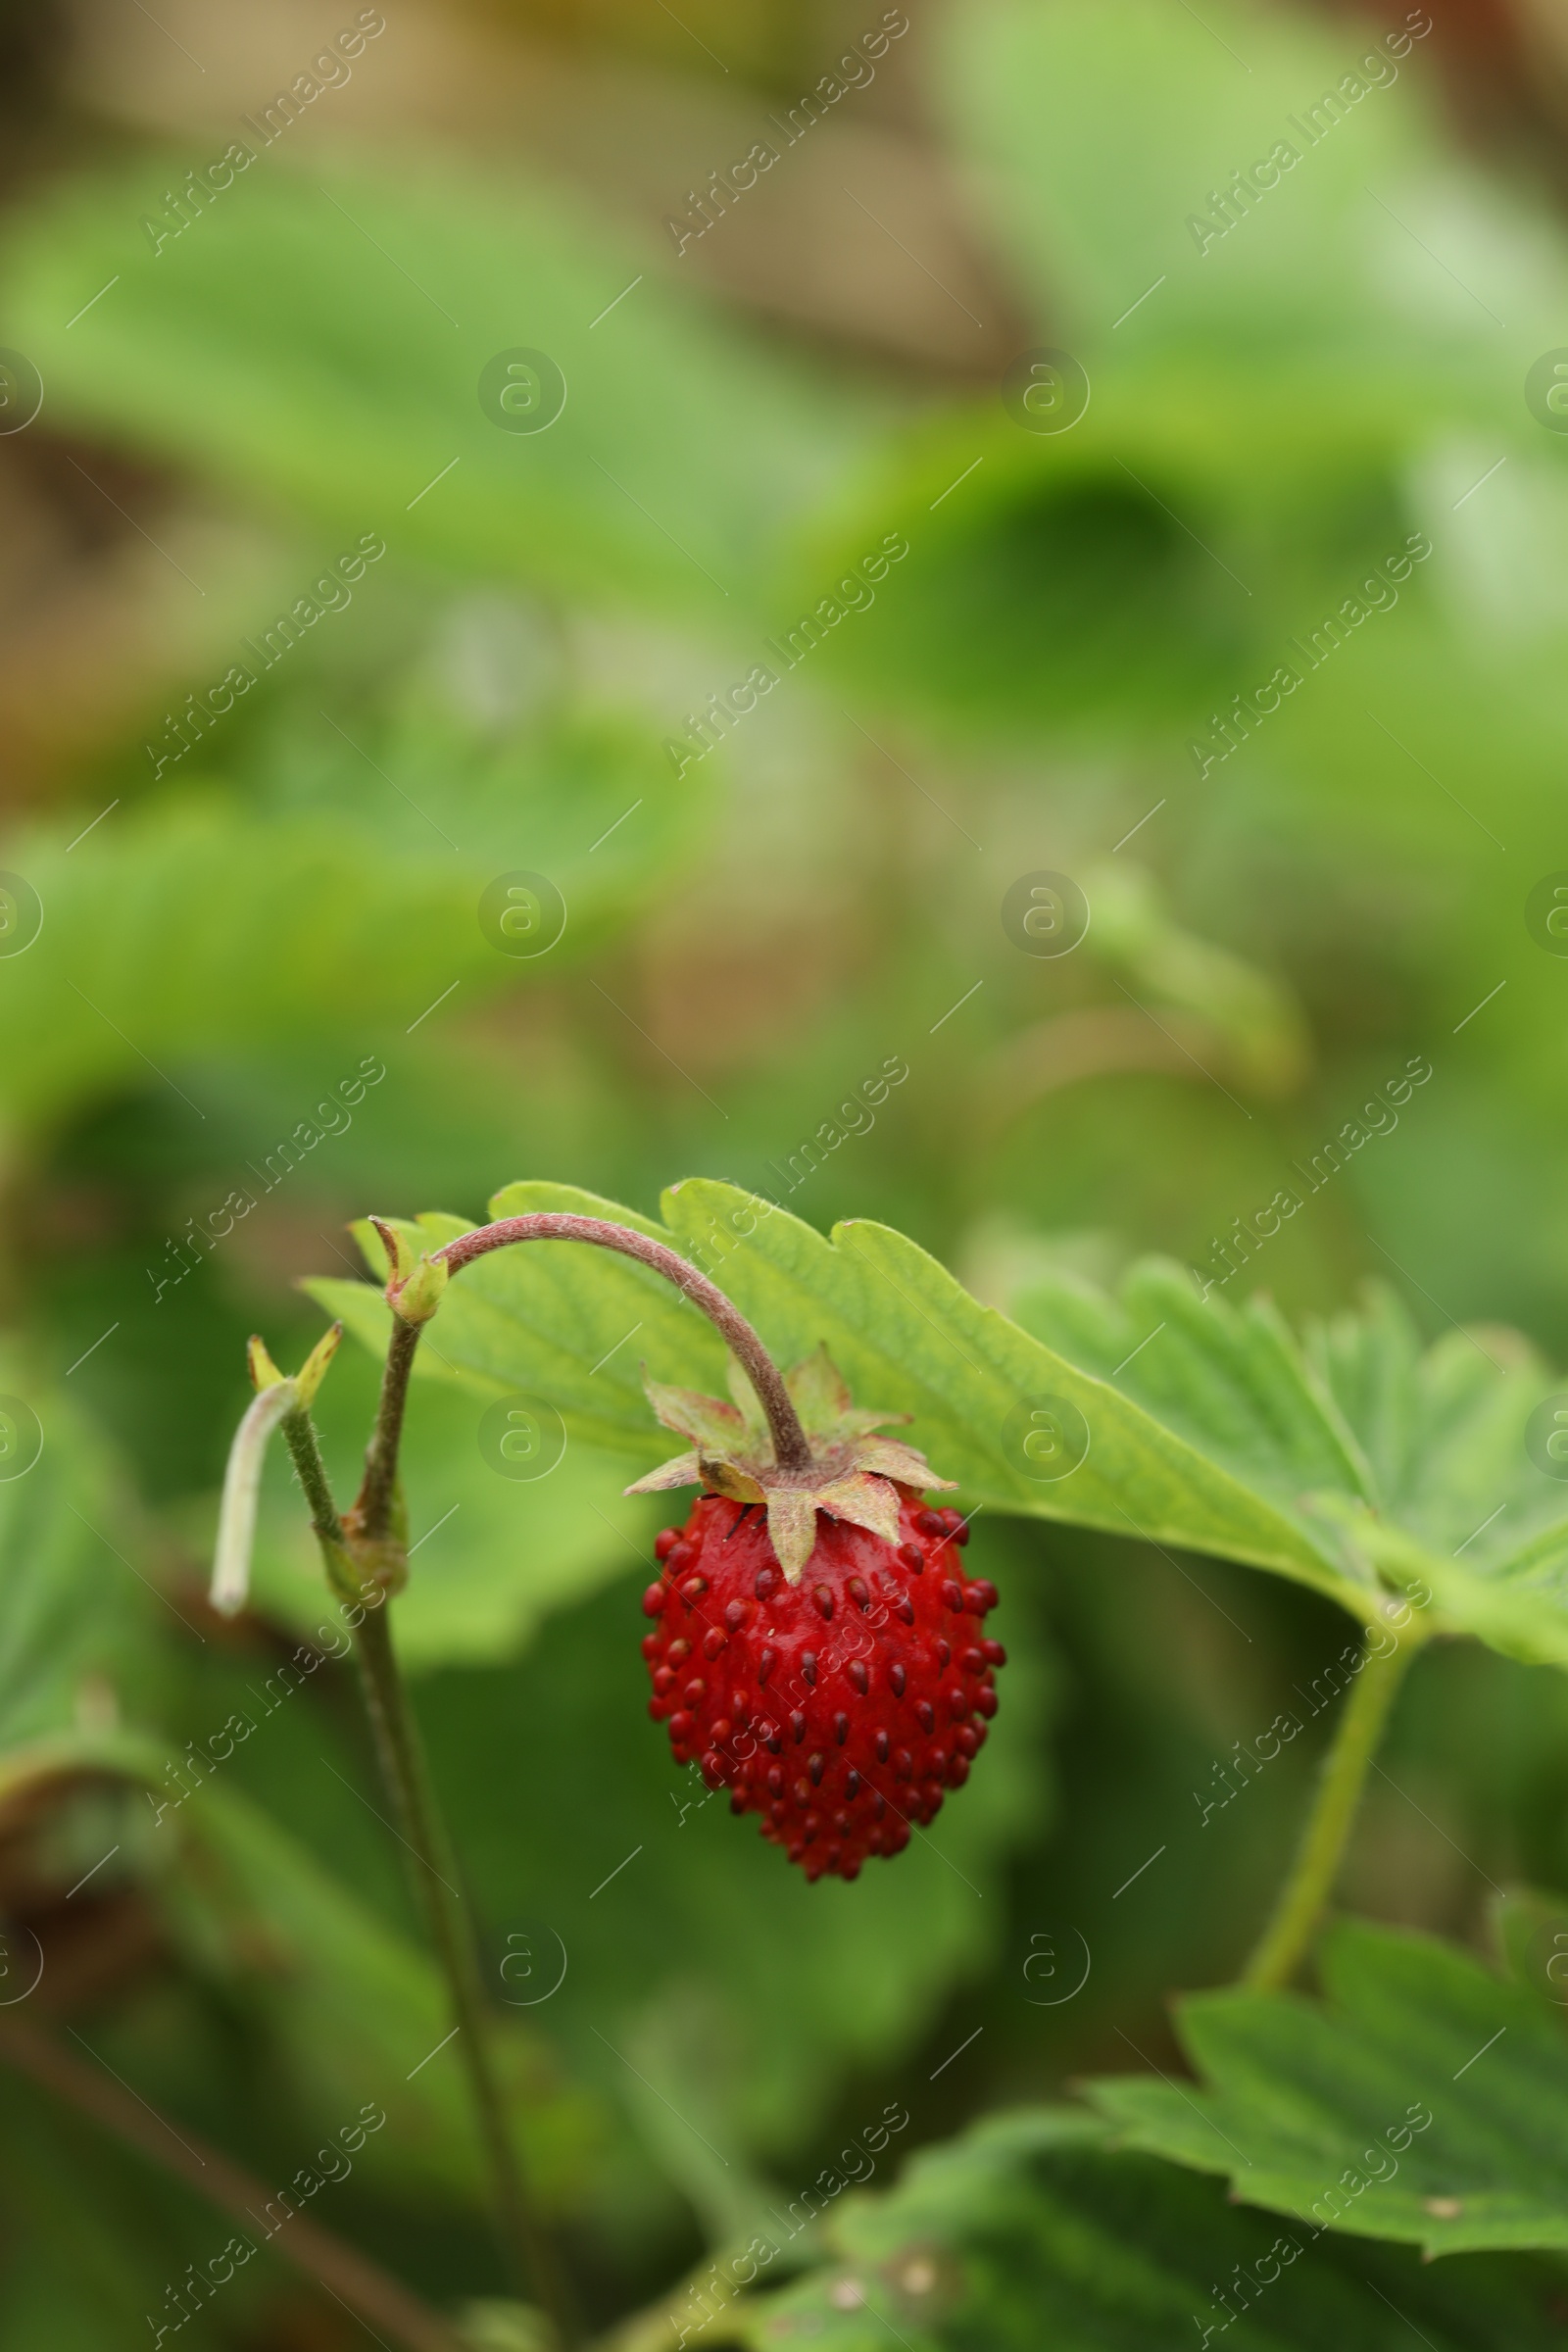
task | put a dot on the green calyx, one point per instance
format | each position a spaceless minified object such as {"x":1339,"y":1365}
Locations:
{"x":853,"y":1473}
{"x":416,"y":1285}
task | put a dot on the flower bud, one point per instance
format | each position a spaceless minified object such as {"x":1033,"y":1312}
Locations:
{"x":417,"y":1299}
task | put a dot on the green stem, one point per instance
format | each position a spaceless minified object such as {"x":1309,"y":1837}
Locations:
{"x":1284,"y":1942}
{"x":531,"y":2262}
{"x":298,"y":1435}
{"x":531,"y":2258}
{"x":375,"y":1505}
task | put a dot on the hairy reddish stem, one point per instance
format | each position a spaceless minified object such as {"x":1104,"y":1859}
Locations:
{"x":792,"y":1448}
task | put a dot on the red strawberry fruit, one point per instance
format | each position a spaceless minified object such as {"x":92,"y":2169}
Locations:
{"x":818,"y":1647}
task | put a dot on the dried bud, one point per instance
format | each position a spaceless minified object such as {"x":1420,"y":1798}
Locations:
{"x":401,"y":1258}
{"x":242,"y":1486}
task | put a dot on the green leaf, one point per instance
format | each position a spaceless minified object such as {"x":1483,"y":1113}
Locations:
{"x":571,"y":1323}
{"x":1259,"y":397}
{"x":199,"y":925}
{"x":1354,"y":1462}
{"x":1061,"y":579}
{"x":1033,"y":86}
{"x":1232,"y":1381}
{"x":1031,"y":2231}
{"x":1392,"y":1458}
{"x":579,"y":791}
{"x":1422,"y":2099}
{"x":199,"y":930}
{"x":903,"y":1331}
{"x":84,"y":1624}
{"x":677,"y":457}
{"x":1443,"y":1429}
{"x":1530,"y":1928}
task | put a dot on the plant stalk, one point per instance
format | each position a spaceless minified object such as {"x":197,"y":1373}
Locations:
{"x":371,"y":1535}
{"x":1283,"y":1943}
{"x":532,"y":2261}
{"x":792,"y":1448}
{"x":373,"y":1507}
{"x":531,"y":2258}
{"x":298,"y":1435}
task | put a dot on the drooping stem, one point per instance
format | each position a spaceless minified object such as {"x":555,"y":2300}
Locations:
{"x":381,"y":2301}
{"x":1300,"y":1905}
{"x":791,"y":1446}
{"x":530,"y":2257}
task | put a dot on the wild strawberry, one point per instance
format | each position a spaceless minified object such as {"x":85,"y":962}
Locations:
{"x":818,"y":1646}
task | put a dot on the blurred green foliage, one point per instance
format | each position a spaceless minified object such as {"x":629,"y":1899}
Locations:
{"x":1400,"y":2014}
{"x":1032,"y":2222}
{"x":747,"y":943}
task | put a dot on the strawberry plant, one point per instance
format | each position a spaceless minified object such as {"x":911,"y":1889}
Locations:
{"x":816,"y":1649}
{"x":956,"y":1905}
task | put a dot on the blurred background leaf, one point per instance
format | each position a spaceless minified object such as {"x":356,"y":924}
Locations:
{"x":750,"y":415}
{"x":1032,"y":2219}
{"x":357,"y":409}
